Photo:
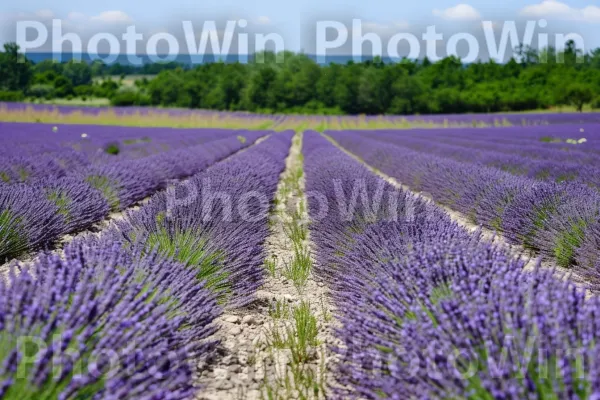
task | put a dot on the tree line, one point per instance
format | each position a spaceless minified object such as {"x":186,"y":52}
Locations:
{"x":531,"y":80}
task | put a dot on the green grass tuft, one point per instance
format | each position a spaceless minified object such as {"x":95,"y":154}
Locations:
{"x":280,"y":309}
{"x":566,"y":177}
{"x":567,"y":243}
{"x":298,"y":270}
{"x":305,"y":324}
{"x":61,"y":201}
{"x":112,"y":149}
{"x":295,"y":231}
{"x":109,"y":189}
{"x":550,"y":139}
{"x":12,"y":235}
{"x":271,"y":264}
{"x":145,"y":139}
{"x":191,"y":249}
{"x":23,"y":174}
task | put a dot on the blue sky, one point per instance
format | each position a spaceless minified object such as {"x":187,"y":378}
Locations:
{"x":275,"y":10}
{"x":295,"y":20}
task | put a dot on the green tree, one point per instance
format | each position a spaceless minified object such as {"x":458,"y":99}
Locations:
{"x":15,"y":69}
{"x":79,"y":73}
{"x":260,"y":93}
{"x":579,"y":95}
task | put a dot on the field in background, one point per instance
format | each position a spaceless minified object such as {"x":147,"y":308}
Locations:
{"x":185,"y":118}
{"x":74,"y":102}
{"x":128,"y":80}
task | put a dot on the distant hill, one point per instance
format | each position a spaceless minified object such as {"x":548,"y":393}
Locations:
{"x":185,"y":59}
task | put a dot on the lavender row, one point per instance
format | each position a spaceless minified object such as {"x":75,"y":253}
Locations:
{"x":35,"y":216}
{"x":118,"y":316}
{"x":490,"y":119}
{"x":103,"y":323}
{"x":521,"y":134}
{"x":29,"y":152}
{"x":535,"y":144}
{"x":216,"y":222}
{"x":551,"y":169}
{"x":538,"y":150}
{"x":428,"y":310}
{"x":558,"y":220}
{"x":519,"y":139}
{"x":65,"y":109}
{"x":29,"y":139}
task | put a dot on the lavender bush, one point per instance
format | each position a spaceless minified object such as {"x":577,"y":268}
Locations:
{"x":28,"y":220}
{"x":428,"y":310}
{"x":37,"y":214}
{"x":103,"y":323}
{"x":216,"y":222}
{"x":555,"y":219}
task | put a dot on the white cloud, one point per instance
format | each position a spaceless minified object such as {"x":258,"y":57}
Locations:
{"x":385,"y":29}
{"x":374,"y":26}
{"x":460,"y":12}
{"x":402,"y":25}
{"x":556,"y":10}
{"x":112,"y":17}
{"x":591,"y":13}
{"x":45,"y":14}
{"x":76,"y":16}
{"x":263,"y":20}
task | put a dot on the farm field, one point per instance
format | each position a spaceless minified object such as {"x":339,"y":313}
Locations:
{"x":298,"y":257}
{"x":186,"y":118}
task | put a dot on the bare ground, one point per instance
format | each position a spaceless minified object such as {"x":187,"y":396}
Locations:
{"x":250,"y":365}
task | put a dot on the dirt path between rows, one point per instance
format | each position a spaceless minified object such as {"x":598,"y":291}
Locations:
{"x":255,"y":360}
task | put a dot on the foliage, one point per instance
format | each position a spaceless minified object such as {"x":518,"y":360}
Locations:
{"x":15,"y":69}
{"x":129,"y":98}
{"x":579,"y":95}
{"x":297,"y":84}
{"x":112,"y":149}
{"x":11,"y":95}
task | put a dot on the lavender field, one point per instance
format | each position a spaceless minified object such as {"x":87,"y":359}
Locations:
{"x":298,"y":257}
{"x":186,"y":118}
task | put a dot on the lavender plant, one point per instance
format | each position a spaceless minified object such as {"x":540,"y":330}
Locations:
{"x":103,"y":323}
{"x":429,"y":310}
{"x":552,"y":218}
{"x":60,"y":202}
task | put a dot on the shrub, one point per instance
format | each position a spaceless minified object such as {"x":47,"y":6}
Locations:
{"x":11,"y":95}
{"x":578,"y":95}
{"x":112,"y":149}
{"x":84,"y":90}
{"x":129,"y":98}
{"x":59,"y":326}
{"x":42,"y":90}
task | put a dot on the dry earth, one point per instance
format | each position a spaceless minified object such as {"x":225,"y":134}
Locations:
{"x":249,"y":365}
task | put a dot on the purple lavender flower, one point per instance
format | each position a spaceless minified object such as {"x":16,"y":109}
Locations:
{"x":103,"y":323}
{"x":27,"y":220}
{"x":549,"y":217}
{"x":71,"y":186}
{"x":428,"y":310}
{"x":211,"y":224}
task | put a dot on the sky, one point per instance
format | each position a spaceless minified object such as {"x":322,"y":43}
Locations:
{"x":296,"y":21}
